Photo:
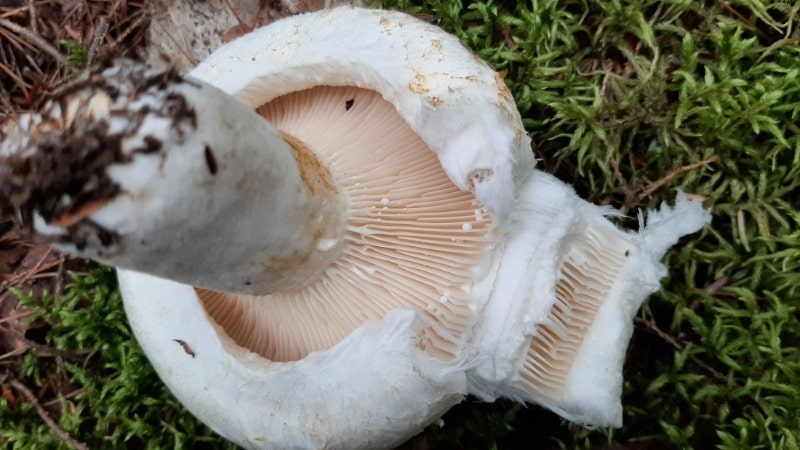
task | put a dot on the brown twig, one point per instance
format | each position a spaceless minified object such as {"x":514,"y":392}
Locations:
{"x":13,"y":353}
{"x":32,"y":12}
{"x":674,"y":173}
{"x":34,"y":39}
{"x":67,"y":396}
{"x":140,"y":18}
{"x":656,"y":15}
{"x":59,"y":284}
{"x":62,"y":435}
{"x":651,"y":326}
{"x":235,"y":13}
{"x":97,"y":42}
{"x":183,"y":51}
{"x":714,"y":287}
{"x":37,"y":268}
{"x":16,"y":317}
{"x":45,"y":351}
{"x":257,"y":15}
{"x":727,"y":6}
{"x":20,"y":82}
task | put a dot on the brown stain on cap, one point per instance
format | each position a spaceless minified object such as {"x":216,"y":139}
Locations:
{"x":418,"y":86}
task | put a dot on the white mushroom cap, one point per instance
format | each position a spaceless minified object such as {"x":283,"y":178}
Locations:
{"x":455,"y":101}
{"x":374,"y":389}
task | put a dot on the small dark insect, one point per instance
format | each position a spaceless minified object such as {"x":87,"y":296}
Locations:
{"x":627,"y":252}
{"x":349,"y":104}
{"x":186,"y":347}
{"x":211,"y":161}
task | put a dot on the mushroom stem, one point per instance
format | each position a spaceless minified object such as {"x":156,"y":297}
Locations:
{"x":137,"y":170}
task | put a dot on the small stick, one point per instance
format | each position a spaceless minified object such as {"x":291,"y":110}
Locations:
{"x":651,"y":22}
{"x":183,"y":52}
{"x":97,"y":42}
{"x":59,"y":276}
{"x":17,"y":79}
{"x":72,"y":394}
{"x":141,"y":17}
{"x":39,"y":267}
{"x":714,"y":287}
{"x":15,"y":316}
{"x":257,"y":15}
{"x":32,"y":11}
{"x":13,"y":353}
{"x":656,"y":185}
{"x":236,"y":15}
{"x":46,"y":417}
{"x":653,"y":328}
{"x":34,"y":39}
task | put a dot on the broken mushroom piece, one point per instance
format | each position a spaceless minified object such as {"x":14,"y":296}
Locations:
{"x":562,"y":292}
{"x":339,"y":256}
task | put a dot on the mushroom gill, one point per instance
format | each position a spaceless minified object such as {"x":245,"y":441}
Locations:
{"x":413,"y":240}
{"x":588,"y":270}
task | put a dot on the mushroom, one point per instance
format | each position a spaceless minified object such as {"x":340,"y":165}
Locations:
{"x":332,"y":231}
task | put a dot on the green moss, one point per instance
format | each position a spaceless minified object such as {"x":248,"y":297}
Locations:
{"x":77,"y":54}
{"x":110,"y":396}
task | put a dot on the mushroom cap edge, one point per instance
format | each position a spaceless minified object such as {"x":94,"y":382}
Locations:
{"x":456,"y":102}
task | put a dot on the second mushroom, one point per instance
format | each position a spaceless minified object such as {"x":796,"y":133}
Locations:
{"x":332,"y":230}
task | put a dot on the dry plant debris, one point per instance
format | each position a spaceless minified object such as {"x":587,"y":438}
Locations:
{"x":39,"y":39}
